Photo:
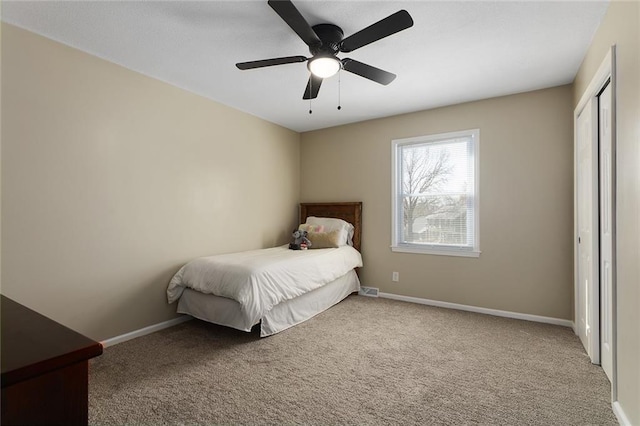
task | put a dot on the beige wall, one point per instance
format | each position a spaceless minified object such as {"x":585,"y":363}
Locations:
{"x":620,"y":27}
{"x":111,"y":180}
{"x":526,"y":201}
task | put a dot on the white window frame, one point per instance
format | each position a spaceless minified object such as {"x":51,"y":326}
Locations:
{"x":396,"y":193}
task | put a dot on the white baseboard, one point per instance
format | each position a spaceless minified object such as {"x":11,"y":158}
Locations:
{"x":494,"y":312}
{"x":144,"y":331}
{"x":620,"y":415}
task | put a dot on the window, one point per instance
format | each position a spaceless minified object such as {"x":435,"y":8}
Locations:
{"x":435,"y":194}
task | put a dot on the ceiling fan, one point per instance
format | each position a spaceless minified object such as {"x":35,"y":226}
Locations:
{"x":325,"y":41}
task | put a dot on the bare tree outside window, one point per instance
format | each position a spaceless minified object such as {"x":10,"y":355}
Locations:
{"x":424,"y":172}
{"x":432,"y":213}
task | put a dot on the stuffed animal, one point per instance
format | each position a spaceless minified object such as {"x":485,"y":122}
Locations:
{"x":299,"y":240}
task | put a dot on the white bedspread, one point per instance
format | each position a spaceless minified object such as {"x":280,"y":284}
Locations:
{"x":260,"y":279}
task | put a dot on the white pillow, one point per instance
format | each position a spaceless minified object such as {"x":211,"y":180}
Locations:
{"x":332,"y":224}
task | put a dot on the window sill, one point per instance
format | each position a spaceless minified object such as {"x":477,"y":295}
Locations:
{"x":442,"y":252}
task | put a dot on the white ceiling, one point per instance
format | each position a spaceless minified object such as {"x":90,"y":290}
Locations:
{"x":455,"y":52}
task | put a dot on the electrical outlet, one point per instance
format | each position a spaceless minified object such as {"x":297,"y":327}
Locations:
{"x":395,"y":277}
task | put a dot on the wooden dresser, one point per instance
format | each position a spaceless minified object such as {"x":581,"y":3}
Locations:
{"x":44,"y":369}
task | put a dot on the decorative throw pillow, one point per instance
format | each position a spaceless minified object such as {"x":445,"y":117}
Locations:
{"x":331,"y":224}
{"x":321,"y":240}
{"x":311,"y":228}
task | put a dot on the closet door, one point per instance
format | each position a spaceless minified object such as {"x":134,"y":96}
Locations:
{"x":587,"y":306}
{"x":607,"y":221}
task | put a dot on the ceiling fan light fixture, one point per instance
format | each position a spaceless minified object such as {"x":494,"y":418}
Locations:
{"x":324,"y":66}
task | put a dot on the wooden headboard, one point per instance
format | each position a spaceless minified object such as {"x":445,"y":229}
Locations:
{"x":351,"y":212}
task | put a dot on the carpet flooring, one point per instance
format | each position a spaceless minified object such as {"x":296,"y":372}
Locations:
{"x":364,"y":361}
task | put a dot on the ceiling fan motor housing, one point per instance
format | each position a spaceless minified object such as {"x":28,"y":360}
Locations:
{"x":330,"y":36}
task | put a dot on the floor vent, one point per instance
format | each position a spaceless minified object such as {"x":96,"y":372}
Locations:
{"x":368,"y":291}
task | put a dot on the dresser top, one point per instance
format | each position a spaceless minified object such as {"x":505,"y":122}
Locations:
{"x":33,"y":344}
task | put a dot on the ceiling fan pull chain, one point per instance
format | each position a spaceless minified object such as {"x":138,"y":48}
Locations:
{"x":310,"y":91}
{"x":339,"y":74}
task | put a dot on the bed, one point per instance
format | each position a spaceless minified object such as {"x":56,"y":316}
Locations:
{"x":276,"y":288}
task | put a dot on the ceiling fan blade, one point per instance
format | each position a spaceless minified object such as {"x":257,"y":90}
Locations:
{"x":399,"y":21}
{"x":367,"y":71}
{"x":270,"y":62}
{"x":289,"y":14}
{"x":313,"y":87}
